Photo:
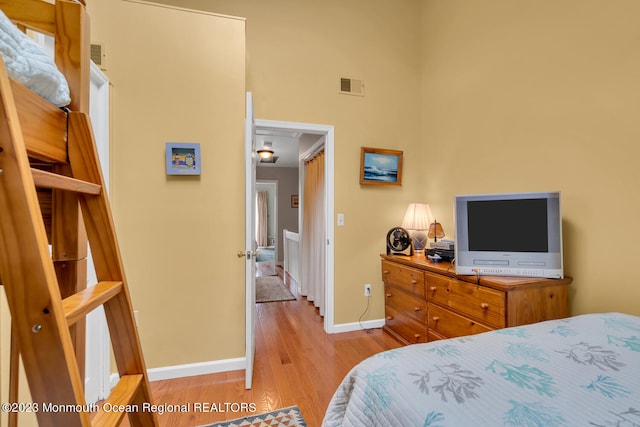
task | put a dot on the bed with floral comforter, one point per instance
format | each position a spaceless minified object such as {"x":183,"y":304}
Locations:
{"x":579,"y":371}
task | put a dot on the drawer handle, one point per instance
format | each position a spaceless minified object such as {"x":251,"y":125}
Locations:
{"x":388,"y":295}
{"x":435,"y":318}
{"x":389,"y":317}
{"x":416,"y":309}
{"x":385,"y":272}
{"x":484,"y":306}
{"x":414,"y":281}
{"x":433,"y":289}
{"x":416,"y":336}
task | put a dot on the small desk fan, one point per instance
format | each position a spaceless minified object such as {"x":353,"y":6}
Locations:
{"x":399,"y":242}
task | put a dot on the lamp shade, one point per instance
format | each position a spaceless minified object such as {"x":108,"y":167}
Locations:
{"x":435,"y":231}
{"x":417,"y":217}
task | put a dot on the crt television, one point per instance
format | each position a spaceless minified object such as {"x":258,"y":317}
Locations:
{"x":516,"y":234}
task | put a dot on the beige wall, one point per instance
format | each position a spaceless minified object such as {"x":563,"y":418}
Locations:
{"x":542,"y":95}
{"x":296,"y":53}
{"x":178,"y":76}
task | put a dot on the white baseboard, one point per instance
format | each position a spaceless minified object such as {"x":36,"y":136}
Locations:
{"x":357,"y":326}
{"x":191,"y":369}
{"x":237,"y":364}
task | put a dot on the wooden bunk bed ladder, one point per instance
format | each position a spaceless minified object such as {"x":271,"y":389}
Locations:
{"x":41,"y":317}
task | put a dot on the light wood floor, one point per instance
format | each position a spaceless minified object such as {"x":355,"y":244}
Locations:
{"x":296,"y":363}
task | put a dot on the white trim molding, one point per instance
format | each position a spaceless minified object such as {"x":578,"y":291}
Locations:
{"x":192,"y":369}
{"x":358,"y":326}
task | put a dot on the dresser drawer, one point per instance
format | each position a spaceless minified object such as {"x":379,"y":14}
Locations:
{"x":449,"y":324}
{"x":437,"y":287}
{"x":406,"y":327}
{"x":411,"y":279}
{"x":485,"y":304}
{"x":432,"y":336}
{"x":409,"y":304}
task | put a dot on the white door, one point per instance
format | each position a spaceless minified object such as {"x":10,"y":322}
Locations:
{"x":251,"y":160}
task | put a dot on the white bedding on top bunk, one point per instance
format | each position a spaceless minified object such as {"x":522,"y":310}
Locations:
{"x":29,"y":64}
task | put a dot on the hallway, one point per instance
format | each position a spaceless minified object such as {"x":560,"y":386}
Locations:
{"x":296,"y":363}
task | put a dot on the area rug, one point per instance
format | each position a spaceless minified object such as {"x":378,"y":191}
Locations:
{"x":265,"y":268}
{"x":271,"y":288}
{"x":286,"y":417}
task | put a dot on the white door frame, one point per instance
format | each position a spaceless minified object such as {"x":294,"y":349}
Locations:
{"x":97,"y":356}
{"x":328,"y":132}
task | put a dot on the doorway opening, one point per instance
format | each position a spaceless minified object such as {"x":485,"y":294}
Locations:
{"x":266,"y":219}
{"x":293,"y":144}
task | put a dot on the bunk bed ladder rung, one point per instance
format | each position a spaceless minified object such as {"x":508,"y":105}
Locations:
{"x":77,"y":306}
{"x":44,"y":179}
{"x":121,"y":396}
{"x":42,"y":319}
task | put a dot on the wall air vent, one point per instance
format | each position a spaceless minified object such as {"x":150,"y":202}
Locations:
{"x":98,"y":55}
{"x":271,"y":159}
{"x":351,"y":86}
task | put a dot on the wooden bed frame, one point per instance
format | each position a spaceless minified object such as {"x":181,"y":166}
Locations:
{"x":53,"y":150}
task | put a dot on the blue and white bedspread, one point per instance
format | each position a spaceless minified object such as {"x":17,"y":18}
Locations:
{"x":580,"y":371}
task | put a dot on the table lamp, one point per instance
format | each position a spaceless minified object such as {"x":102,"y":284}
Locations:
{"x":435,"y":231}
{"x":416,"y":221}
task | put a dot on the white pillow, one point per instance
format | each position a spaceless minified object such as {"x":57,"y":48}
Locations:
{"x":29,"y":64}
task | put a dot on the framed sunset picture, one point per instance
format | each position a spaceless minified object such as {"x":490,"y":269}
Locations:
{"x":380,"y":166}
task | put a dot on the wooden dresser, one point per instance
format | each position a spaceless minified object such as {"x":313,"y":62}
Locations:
{"x":426,"y":301}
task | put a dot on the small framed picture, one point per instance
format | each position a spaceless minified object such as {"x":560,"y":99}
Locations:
{"x":183,"y":158}
{"x":380,"y":167}
{"x":294,"y":201}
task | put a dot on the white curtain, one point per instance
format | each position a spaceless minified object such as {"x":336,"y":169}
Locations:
{"x":262,"y":226}
{"x":313,"y":238}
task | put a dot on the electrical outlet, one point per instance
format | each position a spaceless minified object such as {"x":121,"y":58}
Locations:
{"x":367,"y":290}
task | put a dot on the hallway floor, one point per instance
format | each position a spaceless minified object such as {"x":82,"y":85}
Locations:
{"x":296,"y":363}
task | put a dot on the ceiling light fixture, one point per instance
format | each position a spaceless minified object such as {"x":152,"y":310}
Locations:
{"x":266,"y":151}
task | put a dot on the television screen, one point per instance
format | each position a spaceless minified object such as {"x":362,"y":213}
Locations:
{"x":508,"y":225}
